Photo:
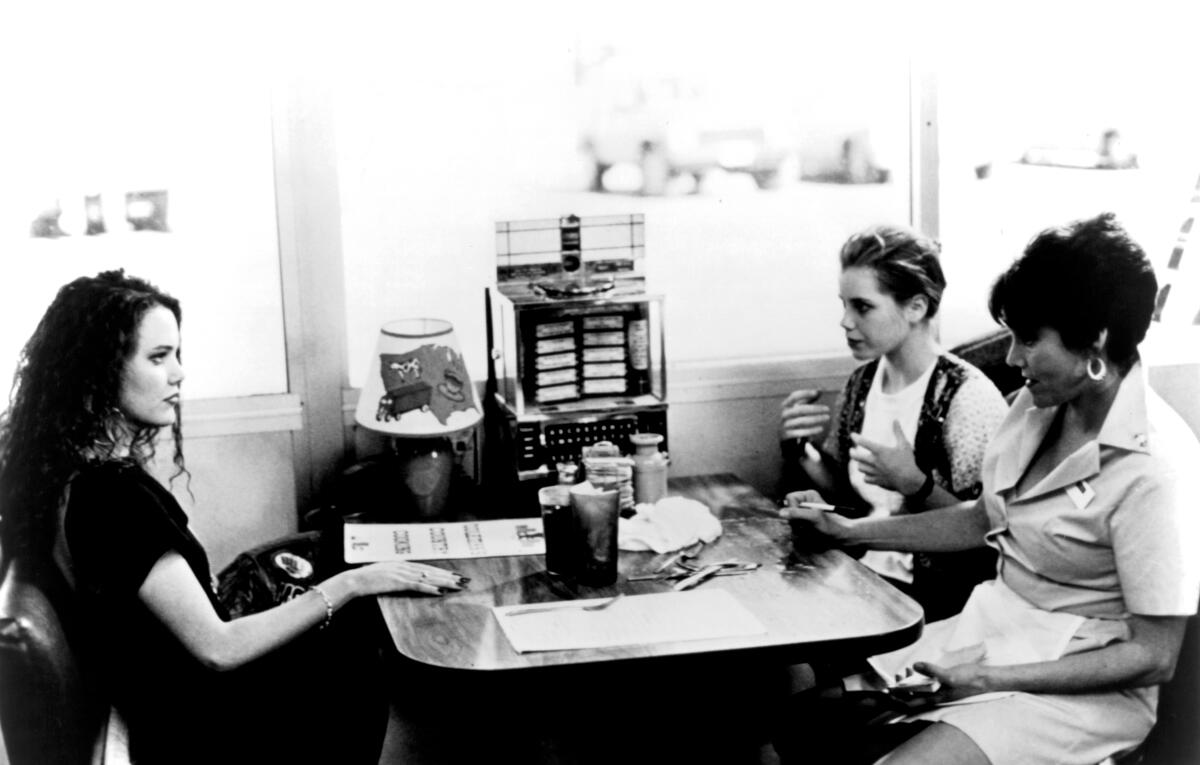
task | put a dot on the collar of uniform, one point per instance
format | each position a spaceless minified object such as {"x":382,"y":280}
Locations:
{"x":1125,"y":427}
{"x":1016,"y":445}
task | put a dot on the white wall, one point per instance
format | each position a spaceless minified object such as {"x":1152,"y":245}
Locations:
{"x":242,"y":487}
{"x":242,"y":492}
{"x":724,"y":417}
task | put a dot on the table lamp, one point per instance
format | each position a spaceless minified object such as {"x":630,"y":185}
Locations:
{"x":418,"y":392}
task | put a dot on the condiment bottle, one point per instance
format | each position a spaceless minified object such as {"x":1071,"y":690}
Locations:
{"x":605,"y":467}
{"x":649,"y":468}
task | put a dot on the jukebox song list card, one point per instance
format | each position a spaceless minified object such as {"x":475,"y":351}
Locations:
{"x":370,"y":542}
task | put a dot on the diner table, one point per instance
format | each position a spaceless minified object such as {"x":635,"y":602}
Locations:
{"x":810,"y":600}
{"x":463,"y":694}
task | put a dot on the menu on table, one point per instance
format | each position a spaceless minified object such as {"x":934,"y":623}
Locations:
{"x":371,"y":542}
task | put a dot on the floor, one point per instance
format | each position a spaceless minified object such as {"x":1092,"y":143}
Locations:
{"x":401,"y":748}
{"x":584,"y":718}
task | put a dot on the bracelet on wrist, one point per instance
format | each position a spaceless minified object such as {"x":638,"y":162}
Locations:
{"x":921,"y":494}
{"x":328,"y":605}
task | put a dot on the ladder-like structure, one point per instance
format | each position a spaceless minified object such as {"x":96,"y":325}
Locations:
{"x":1173,"y":276}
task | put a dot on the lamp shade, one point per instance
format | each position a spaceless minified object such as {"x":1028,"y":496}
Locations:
{"x":417,"y":384}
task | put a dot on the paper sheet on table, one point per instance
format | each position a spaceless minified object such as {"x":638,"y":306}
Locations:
{"x":633,"y":620}
{"x":370,"y":542}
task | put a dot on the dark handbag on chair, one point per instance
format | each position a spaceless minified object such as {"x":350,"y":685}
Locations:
{"x":270,"y":574}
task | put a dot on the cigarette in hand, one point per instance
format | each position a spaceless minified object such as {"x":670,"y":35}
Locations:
{"x":840,"y":509}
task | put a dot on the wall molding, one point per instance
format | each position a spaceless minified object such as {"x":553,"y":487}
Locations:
{"x":693,"y":382}
{"x":688,"y":382}
{"x":747,"y":378}
{"x":216,"y":417}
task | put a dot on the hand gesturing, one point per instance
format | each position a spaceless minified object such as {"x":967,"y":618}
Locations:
{"x":892,"y":467}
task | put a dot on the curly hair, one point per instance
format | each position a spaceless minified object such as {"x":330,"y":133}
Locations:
{"x":906,"y":264}
{"x":64,"y":404}
{"x":1079,"y":279}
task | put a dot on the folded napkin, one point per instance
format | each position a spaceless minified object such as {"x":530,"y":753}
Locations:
{"x":669,"y":524}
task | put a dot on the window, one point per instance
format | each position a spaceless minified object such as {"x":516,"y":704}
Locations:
{"x":135,"y":145}
{"x":1059,"y":116}
{"x":753,"y":142}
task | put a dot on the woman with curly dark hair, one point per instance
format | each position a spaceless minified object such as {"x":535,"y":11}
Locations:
{"x":1086,"y":501}
{"x":64,"y":407}
{"x":96,"y":383}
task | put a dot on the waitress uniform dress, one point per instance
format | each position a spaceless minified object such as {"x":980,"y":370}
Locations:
{"x":1108,"y":533}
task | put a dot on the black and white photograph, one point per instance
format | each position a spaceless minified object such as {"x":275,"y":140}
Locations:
{"x":562,"y":382}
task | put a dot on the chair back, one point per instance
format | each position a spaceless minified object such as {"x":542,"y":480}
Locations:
{"x":1175,"y":738}
{"x":49,"y":713}
{"x":988,"y":354}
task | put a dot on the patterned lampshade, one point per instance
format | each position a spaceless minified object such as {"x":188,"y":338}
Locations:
{"x":417,"y":384}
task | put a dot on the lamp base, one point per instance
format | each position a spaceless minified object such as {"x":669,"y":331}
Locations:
{"x":425,"y":467}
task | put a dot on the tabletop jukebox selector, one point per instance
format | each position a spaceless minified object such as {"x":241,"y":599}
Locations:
{"x":575,"y":341}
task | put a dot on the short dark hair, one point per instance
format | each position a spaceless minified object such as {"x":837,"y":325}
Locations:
{"x":905,"y":263}
{"x":1078,"y":280}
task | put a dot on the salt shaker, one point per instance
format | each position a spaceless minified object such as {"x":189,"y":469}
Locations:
{"x":649,"y":468}
{"x":568,"y":473}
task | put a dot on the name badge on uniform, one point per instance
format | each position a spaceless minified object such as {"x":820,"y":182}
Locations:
{"x":1081,"y":494}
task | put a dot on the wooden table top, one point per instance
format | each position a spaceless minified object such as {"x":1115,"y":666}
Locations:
{"x":825,"y":601}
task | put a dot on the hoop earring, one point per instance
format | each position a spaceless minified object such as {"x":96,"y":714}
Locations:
{"x":1099,"y":374}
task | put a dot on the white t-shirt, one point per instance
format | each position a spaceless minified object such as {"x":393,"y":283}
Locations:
{"x":879,"y":413}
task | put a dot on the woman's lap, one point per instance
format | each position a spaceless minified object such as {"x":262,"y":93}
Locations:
{"x":813,"y":728}
{"x":324,"y":692}
{"x":1050,"y":728}
{"x":1021,"y":728}
{"x":318,"y":699}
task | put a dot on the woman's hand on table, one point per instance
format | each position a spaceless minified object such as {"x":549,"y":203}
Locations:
{"x":404,"y":576}
{"x":891,"y":467}
{"x":799,"y":506}
{"x":801,"y":416}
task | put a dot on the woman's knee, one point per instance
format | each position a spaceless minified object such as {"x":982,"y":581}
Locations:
{"x":938,"y":744}
{"x":814,"y":724}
